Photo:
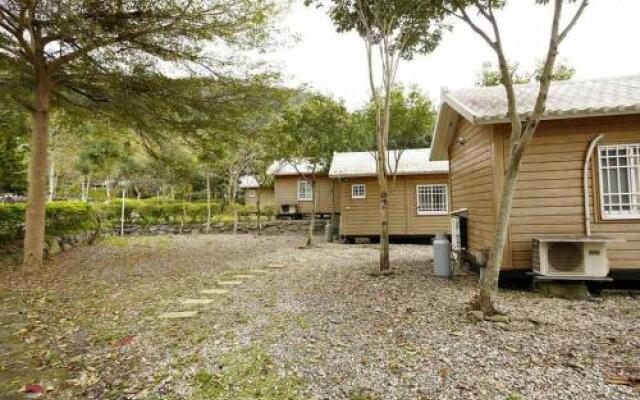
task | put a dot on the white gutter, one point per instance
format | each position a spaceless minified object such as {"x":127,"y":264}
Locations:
{"x":585,"y":183}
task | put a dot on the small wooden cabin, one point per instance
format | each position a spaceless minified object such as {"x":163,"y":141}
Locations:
{"x":294,"y":197}
{"x":418,"y":194}
{"x":473,"y":133}
{"x":251,"y":189}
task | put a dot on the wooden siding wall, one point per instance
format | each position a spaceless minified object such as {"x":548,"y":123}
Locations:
{"x":286,"y":192}
{"x":267,"y":198}
{"x":549,"y":195}
{"x":362,"y":216}
{"x":472,"y":154}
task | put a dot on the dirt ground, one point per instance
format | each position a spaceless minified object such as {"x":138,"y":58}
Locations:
{"x":320,"y":327}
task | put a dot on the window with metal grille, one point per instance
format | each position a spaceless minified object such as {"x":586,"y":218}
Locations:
{"x":620,"y":181}
{"x":358,"y":191}
{"x":432,"y":199}
{"x":305,"y":191}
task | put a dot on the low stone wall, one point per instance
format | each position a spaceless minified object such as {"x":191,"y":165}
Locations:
{"x":277,"y":227}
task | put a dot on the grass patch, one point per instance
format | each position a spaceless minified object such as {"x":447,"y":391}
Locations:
{"x":248,"y":373}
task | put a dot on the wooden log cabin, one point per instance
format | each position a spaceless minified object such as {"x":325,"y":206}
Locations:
{"x":418,"y":200}
{"x":580,"y":175}
{"x":252,"y":190}
{"x":294,"y":194}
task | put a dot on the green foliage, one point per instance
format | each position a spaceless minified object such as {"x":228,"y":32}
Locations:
{"x":312,"y":130}
{"x":411,"y":122}
{"x":13,"y":149}
{"x":148,"y":212}
{"x":62,"y":217}
{"x":410,"y":26}
{"x":491,"y":76}
{"x":245,"y":374}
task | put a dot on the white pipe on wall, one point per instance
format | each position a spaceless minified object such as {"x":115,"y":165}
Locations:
{"x":585,"y":183}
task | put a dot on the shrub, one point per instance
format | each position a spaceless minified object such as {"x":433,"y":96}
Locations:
{"x":61,"y":217}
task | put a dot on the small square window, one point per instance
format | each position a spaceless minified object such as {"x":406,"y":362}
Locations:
{"x":359,"y":191}
{"x":432,"y":199}
{"x":620,"y":181}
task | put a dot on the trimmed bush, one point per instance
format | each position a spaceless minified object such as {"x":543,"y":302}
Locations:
{"x":62,"y":217}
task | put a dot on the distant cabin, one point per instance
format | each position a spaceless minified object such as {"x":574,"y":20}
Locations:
{"x":294,"y":196}
{"x":251,"y":189}
{"x":418,"y":194}
{"x":473,"y":134}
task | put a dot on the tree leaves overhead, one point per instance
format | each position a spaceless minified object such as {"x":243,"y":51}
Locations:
{"x":412,"y":26}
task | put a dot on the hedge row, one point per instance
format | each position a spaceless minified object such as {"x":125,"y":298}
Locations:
{"x":62,"y":217}
{"x":74,"y":216}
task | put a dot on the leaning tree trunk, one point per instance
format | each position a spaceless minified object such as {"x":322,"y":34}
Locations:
{"x":489,"y":283}
{"x":37,"y":192}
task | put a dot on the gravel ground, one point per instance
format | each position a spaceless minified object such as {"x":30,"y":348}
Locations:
{"x":320,"y":328}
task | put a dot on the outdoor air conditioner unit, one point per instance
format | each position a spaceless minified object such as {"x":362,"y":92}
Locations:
{"x":570,"y":257}
{"x":288,"y":209}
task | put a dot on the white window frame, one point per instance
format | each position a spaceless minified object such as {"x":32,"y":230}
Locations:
{"x":354,"y":189}
{"x":432,"y":196}
{"x":633,"y":195}
{"x":307,"y":195}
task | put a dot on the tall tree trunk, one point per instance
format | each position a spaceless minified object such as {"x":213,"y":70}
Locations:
{"x":52,"y":178}
{"x":208,"y":226}
{"x":383,"y":139}
{"x":37,"y":192}
{"x":107,"y":188}
{"x":489,"y":285}
{"x":258,"y":212}
{"x":124,"y":195}
{"x":313,"y":210}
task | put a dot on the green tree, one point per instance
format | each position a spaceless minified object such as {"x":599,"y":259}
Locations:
{"x":410,"y":125}
{"x":68,"y":52}
{"x":13,"y":148}
{"x":476,"y":14}
{"x":395,"y":30}
{"x":306,"y":136}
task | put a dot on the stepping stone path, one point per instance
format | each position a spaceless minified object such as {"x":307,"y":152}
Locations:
{"x":214,"y":291}
{"x":238,"y":280}
{"x":179,"y":314}
{"x":196,"y":301}
{"x":229,"y":283}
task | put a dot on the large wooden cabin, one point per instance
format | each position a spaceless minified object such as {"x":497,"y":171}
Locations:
{"x":418,"y":204}
{"x":294,"y":195}
{"x":473,"y":134}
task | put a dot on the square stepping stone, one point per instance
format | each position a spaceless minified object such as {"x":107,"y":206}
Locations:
{"x":229,"y":283}
{"x":259,"y":271}
{"x":243,"y":276}
{"x":179,"y":314}
{"x":196,"y":301}
{"x":214,"y":291}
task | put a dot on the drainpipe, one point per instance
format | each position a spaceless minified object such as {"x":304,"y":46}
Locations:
{"x":585,"y":183}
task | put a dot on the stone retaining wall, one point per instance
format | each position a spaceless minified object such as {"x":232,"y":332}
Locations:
{"x":277,"y":227}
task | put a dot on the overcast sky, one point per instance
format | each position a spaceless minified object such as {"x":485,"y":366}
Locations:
{"x":604,"y":43}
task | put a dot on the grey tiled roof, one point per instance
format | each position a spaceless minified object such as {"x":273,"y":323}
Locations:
{"x":411,"y":161}
{"x":248,"y":182}
{"x":568,"y":99}
{"x":282,"y":167}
